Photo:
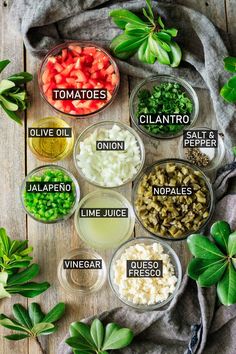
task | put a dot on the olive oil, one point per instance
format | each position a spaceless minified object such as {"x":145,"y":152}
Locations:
{"x":51,"y":147}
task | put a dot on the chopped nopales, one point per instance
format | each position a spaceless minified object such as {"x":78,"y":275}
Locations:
{"x":109,"y":168}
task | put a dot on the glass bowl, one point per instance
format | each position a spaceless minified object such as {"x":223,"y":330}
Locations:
{"x":37,"y":172}
{"x":104,"y":232}
{"x":146,"y":241}
{"x":148,"y":85}
{"x":81,"y":281}
{"x":44,"y":147}
{"x":105,"y":125}
{"x":57,"y":51}
{"x":210,"y":201}
{"x":219,"y":153}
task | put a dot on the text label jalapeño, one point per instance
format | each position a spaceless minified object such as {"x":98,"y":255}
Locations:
{"x":48,"y":187}
{"x":164,"y":119}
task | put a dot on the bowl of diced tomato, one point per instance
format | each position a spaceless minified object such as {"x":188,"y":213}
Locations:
{"x":78,"y":79}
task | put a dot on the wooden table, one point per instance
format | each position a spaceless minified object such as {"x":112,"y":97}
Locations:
{"x":51,"y":242}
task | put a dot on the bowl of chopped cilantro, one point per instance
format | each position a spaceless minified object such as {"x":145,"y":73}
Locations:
{"x":163,"y":106}
{"x":50,"y":194}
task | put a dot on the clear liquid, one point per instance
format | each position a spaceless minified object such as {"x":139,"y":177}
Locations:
{"x":104,"y":232}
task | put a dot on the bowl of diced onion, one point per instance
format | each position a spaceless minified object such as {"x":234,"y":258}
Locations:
{"x":109,"y":154}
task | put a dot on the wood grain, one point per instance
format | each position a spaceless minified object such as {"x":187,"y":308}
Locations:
{"x":230,"y":6}
{"x":12,"y":157}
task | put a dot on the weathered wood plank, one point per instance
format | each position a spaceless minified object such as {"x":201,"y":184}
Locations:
{"x":213,"y":9}
{"x":52,"y":242}
{"x":231,"y":23}
{"x":12,"y":158}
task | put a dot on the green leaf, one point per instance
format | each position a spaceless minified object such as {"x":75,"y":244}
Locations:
{"x":79,"y":343}
{"x":226,"y":288}
{"x":24,"y":276}
{"x":75,"y":351}
{"x":163,"y":36}
{"x":149,"y":6}
{"x":198,"y":265}
{"x":118,"y":339}
{"x":148,"y":17}
{"x":55,"y":314}
{"x":117,"y":40}
{"x":11,"y":114}
{"x":6,"y":85}
{"x":230,"y":64}
{"x":220,"y":231}
{"x":129,"y":43}
{"x":228,"y":93}
{"x":21,"y":315}
{"x":3,"y":278}
{"x":159,"y":20}
{"x":21,"y":78}
{"x":3,"y":64}
{"x":97,"y":333}
{"x":172,"y":31}
{"x":158,"y":51}
{"x":175,"y":54}
{"x":8,"y":104}
{"x":232,"y":244}
{"x":8,"y":323}
{"x":35,"y":313}
{"x":28,"y":290}
{"x":232,"y":82}
{"x":82,"y":331}
{"x":144,"y":53}
{"x":121,"y":17}
{"x":213,"y":274}
{"x":5,"y":242}
{"x":49,"y":331}
{"x":234,"y":150}
{"x":3,"y":281}
{"x":3,"y":292}
{"x":110,"y":330}
{"x":201,"y":247}
{"x":42,"y":327}
{"x":17,"y":336}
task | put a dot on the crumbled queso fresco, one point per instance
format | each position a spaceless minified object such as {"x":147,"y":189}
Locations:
{"x":145,"y":291}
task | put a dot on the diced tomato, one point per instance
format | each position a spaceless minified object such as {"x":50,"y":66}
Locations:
{"x":75,"y":49}
{"x":89,"y":50}
{"x":58,"y":67}
{"x":64,"y":54}
{"x":47,"y":76}
{"x":71,"y":81}
{"x":77,"y":67}
{"x":46,"y":87}
{"x":80,"y":76}
{"x":58,"y":78}
{"x":110,"y":69}
{"x":67,"y":70}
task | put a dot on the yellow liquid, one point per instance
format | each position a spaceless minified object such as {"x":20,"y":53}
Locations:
{"x":104,"y":232}
{"x":54,"y":148}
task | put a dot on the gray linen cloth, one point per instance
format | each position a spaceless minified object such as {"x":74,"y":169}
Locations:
{"x":192,"y":323}
{"x":44,"y":23}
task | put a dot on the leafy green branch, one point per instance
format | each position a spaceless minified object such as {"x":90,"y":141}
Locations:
{"x":149,"y":38}
{"x":13,"y":96}
{"x":32,"y":323}
{"x":14,"y":255}
{"x":98,"y":339}
{"x":215,"y":262}
{"x":228,"y":91}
